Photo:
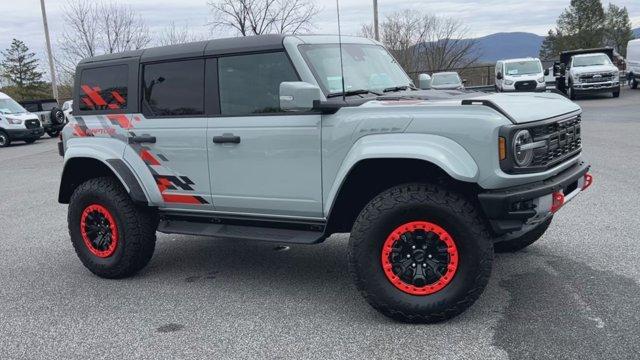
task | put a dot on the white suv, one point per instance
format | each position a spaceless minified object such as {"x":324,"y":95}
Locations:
{"x":525,"y":75}
{"x":16,"y":123}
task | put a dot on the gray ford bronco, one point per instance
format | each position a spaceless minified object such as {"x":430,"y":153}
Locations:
{"x":263,"y":138}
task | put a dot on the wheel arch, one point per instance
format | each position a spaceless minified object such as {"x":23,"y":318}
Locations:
{"x":79,"y":169}
{"x":391,"y":161}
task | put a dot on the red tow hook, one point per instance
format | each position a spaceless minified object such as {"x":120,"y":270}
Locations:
{"x":557,"y":201}
{"x":588,"y":181}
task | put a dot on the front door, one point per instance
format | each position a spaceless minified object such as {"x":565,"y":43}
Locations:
{"x":262,"y":161}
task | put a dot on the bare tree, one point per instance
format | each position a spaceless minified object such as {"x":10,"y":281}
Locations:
{"x":445,"y":44}
{"x":426,"y":42}
{"x":94,"y":28}
{"x":173,"y":34}
{"x":256,"y":17}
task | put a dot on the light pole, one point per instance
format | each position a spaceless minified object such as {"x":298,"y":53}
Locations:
{"x":54,"y":84}
{"x":375,"y":20}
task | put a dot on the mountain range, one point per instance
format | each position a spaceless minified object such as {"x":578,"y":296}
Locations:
{"x":512,"y":45}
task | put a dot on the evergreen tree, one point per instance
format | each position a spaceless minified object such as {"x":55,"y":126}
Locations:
{"x":618,"y":30}
{"x":20,"y":70}
{"x":583,"y":24}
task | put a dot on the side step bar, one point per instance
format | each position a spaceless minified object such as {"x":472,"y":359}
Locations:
{"x":258,"y":229}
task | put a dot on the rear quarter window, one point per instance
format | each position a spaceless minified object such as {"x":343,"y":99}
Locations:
{"x":104,"y":88}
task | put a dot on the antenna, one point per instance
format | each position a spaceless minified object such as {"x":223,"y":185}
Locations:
{"x":344,"y":90}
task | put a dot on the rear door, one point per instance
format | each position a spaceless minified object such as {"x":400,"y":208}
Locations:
{"x":262,"y":161}
{"x":171,"y":132}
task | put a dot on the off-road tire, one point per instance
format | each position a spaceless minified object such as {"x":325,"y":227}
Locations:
{"x":57,"y":116}
{"x":5,"y":140}
{"x":420,"y":202}
{"x":30,"y":141}
{"x":519,"y":243}
{"x":136,"y":227}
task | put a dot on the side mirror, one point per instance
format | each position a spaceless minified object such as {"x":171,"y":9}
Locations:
{"x":546,"y":72}
{"x":298,"y":96}
{"x":464,"y":81}
{"x":499,"y":75}
{"x":424,"y":81}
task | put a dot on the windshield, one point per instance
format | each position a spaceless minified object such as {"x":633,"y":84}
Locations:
{"x":10,"y":106}
{"x":523,"y":67}
{"x":591,"y":60}
{"x":445,"y":79}
{"x":366,"y":67}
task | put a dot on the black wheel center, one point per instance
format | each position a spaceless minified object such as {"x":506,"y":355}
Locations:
{"x":98,"y":230}
{"x":419,"y":258}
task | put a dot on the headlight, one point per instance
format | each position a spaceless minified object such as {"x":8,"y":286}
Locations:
{"x":522,"y":157}
{"x":14,"y":121}
{"x":541,"y":80}
{"x":508,"y":82}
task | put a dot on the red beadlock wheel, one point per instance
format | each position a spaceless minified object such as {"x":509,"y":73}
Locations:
{"x":99,"y":231}
{"x":419,"y":258}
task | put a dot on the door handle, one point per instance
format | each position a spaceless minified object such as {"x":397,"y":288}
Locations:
{"x":142,"y":139}
{"x":226,"y":139}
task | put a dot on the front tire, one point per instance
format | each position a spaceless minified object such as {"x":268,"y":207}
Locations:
{"x":616,"y":94}
{"x":633,"y":83}
{"x":420,"y":220}
{"x":519,"y":243}
{"x":5,"y":140}
{"x":571,"y":93}
{"x":53,"y":133}
{"x":112,"y":236}
{"x":30,"y":141}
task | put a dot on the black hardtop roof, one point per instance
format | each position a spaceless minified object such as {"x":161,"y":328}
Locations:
{"x":39,"y":101}
{"x":201,"y":48}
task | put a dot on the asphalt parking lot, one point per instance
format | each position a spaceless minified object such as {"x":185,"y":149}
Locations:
{"x":574,"y":294}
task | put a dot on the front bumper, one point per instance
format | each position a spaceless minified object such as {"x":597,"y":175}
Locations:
{"x":509,"y":210}
{"x":24,"y":134}
{"x":586,"y":88}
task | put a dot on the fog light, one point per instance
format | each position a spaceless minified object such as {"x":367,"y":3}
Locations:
{"x":557,"y":201}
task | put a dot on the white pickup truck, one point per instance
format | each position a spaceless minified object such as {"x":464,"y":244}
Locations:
{"x":588,"y":71}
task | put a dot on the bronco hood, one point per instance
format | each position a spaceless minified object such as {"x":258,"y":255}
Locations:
{"x":519,"y":107}
{"x":527,"y":107}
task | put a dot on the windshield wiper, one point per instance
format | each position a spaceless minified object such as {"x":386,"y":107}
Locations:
{"x":399,"y":88}
{"x":353,"y":92}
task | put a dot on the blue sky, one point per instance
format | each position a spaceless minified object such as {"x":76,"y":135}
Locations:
{"x":22,"y":18}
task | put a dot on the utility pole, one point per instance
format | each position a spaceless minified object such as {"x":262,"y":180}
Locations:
{"x":52,"y":67}
{"x":375,"y":20}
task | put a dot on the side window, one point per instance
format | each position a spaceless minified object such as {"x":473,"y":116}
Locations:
{"x":104,"y":88}
{"x":173,"y":88}
{"x":31,"y":107}
{"x":250,"y":84}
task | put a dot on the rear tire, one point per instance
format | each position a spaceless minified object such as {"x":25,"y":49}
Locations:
{"x":53,"y":133}
{"x":30,"y":141}
{"x":455,"y":218}
{"x":5,"y":140}
{"x":523,"y":241}
{"x":125,"y":238}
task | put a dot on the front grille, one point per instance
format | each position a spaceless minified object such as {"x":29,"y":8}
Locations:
{"x":525,"y":85}
{"x":32,"y":124}
{"x":596,"y":78}
{"x":563,"y":140}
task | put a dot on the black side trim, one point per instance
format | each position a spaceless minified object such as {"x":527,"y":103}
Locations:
{"x":244,"y":227}
{"x":490,"y":104}
{"x":135,"y":190}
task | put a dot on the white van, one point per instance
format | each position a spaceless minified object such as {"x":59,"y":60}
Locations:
{"x":633,"y":63}
{"x":525,"y":75}
{"x":16,"y":123}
